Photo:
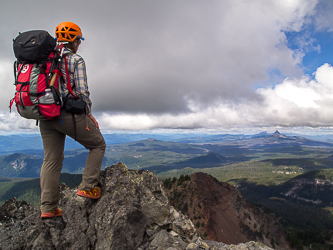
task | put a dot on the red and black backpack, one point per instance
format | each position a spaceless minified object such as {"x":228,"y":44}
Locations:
{"x":36,"y":73}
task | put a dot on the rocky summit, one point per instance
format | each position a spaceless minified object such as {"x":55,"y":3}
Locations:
{"x":133,"y":213}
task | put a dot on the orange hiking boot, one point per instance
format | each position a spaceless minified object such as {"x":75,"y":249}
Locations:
{"x":57,"y":212}
{"x":92,"y":194}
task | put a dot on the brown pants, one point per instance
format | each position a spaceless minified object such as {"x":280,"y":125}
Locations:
{"x":53,"y":134}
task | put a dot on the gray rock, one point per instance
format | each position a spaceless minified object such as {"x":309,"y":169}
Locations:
{"x":213,"y":245}
{"x":192,"y":246}
{"x":133,"y":213}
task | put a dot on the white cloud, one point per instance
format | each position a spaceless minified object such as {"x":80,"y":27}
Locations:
{"x":7,"y":83}
{"x":298,"y":93}
{"x":293,"y":102}
{"x":203,"y":50}
{"x":298,"y":102}
{"x":186,"y":64}
{"x":14,"y":122}
{"x":324,"y":18}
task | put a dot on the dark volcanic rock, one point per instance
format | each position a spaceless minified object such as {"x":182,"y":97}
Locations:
{"x":133,"y":213}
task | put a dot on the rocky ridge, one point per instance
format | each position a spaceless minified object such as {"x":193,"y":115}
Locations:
{"x":133,"y":213}
{"x":221,"y":213}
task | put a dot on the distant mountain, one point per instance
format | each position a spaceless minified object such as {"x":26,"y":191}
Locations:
{"x":210,"y":160}
{"x":157,"y":155}
{"x":27,"y":143}
{"x":304,"y":203}
{"x":277,"y":133}
{"x":262,"y":134}
{"x":279,"y":140}
{"x":261,"y":140}
{"x":20,"y":165}
{"x":31,"y":144}
{"x":214,"y":138}
{"x":313,"y":187}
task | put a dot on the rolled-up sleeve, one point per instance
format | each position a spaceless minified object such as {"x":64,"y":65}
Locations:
{"x":81,"y":85}
{"x":77,"y":78}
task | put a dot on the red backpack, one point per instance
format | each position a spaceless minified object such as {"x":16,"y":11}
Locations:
{"x":36,"y":74}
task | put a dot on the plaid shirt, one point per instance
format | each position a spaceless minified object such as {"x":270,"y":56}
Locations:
{"x":77,"y":77}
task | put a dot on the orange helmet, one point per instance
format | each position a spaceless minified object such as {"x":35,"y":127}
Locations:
{"x":68,"y":32}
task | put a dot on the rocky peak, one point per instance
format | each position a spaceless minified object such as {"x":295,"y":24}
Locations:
{"x":133,"y":213}
{"x":221,"y":213}
{"x":263,"y":133}
{"x":278,"y":135}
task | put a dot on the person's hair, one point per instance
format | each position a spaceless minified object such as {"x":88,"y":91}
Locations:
{"x":71,"y":46}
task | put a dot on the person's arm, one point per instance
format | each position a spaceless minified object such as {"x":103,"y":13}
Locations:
{"x":81,"y":84}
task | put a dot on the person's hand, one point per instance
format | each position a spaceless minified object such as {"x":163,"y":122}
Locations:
{"x":94,"y":120}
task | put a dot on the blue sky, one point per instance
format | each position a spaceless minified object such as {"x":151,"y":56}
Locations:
{"x":314,"y":59}
{"x":213,"y":65}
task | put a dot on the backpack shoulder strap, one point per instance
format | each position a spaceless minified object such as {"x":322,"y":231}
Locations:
{"x":69,"y":86}
{"x":17,"y":70}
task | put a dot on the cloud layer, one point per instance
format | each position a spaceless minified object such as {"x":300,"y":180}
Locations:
{"x":190,"y":64}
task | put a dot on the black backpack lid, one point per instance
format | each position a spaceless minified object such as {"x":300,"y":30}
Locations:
{"x":33,"y":46}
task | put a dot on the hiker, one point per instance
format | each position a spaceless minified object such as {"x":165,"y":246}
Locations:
{"x":81,"y":127}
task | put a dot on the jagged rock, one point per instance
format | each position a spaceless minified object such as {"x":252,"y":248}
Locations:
{"x":15,"y":210}
{"x":192,"y":246}
{"x":133,"y":213}
{"x":202,"y":244}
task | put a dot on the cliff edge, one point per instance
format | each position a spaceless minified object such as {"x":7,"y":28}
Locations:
{"x":133,"y":213}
